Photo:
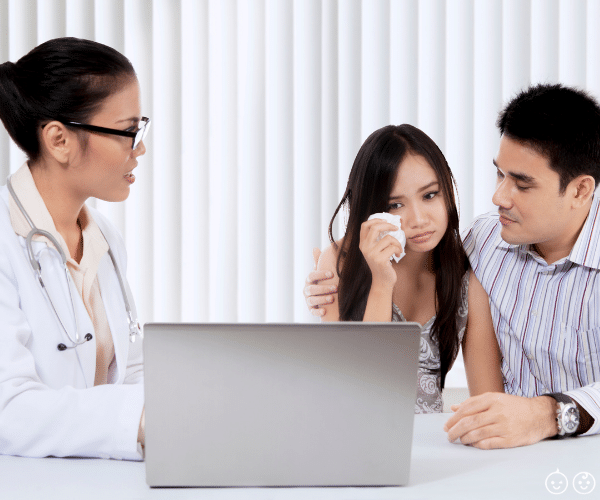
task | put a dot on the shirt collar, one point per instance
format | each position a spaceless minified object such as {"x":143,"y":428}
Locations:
{"x":29,"y":196}
{"x":586,"y":251}
{"x":26,"y":190}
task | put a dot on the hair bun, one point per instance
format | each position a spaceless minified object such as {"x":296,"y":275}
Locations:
{"x":9,"y":68}
{"x":9,"y":82}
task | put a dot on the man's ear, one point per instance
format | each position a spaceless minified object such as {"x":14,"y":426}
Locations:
{"x":58,"y":141}
{"x":583,"y":190}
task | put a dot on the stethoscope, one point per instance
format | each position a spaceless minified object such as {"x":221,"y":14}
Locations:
{"x":134,"y":327}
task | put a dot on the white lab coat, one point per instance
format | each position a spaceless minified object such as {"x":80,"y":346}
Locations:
{"x":48,"y":402}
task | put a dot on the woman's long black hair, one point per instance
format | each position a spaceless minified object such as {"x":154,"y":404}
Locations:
{"x":368,"y":191}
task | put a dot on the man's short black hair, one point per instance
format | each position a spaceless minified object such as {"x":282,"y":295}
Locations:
{"x":561,"y":123}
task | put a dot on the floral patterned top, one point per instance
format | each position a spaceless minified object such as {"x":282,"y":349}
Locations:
{"x":429,"y":395}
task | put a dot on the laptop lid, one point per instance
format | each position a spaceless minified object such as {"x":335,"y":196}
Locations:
{"x":327,"y":404}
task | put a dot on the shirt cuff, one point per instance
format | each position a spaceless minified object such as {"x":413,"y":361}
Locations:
{"x":588,"y":398}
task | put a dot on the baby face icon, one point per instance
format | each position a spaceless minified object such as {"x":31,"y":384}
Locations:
{"x":556,"y":483}
{"x":584,"y":483}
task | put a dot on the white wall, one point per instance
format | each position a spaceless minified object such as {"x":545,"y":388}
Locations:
{"x":260,"y":106}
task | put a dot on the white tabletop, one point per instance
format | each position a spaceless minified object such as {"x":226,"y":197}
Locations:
{"x":439,"y":469}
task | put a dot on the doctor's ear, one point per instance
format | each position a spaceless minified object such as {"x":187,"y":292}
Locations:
{"x":58,"y":141}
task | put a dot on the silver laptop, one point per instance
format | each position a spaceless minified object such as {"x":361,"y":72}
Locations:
{"x":280,"y":404}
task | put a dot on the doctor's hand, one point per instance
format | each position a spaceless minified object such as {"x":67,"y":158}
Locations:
{"x":317,"y":295}
{"x":142,"y":429}
{"x":497,"y":420}
{"x":378,"y":253}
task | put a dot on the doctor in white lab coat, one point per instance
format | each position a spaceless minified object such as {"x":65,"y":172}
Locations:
{"x":59,"y":397}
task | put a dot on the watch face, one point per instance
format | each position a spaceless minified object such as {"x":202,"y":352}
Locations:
{"x":570,"y":419}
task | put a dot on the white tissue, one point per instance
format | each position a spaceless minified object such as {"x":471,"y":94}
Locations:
{"x":399,"y":235}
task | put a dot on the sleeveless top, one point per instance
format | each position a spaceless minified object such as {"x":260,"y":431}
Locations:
{"x":429,"y":395}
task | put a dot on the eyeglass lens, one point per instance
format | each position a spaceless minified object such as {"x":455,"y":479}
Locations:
{"x":141,"y":133}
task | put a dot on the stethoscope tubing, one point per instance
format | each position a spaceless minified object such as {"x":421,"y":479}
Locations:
{"x":134,"y":329}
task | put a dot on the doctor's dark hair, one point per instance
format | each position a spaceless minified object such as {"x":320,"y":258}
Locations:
{"x":369,"y":187}
{"x":561,"y":123}
{"x":64,"y":79}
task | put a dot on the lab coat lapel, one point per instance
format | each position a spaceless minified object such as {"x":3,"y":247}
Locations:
{"x":115,"y":313}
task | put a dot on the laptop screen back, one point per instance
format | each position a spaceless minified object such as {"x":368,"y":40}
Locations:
{"x":279,"y":404}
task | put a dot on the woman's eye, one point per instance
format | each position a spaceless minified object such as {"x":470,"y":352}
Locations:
{"x":431,"y":195}
{"x":499,"y":174}
{"x":395,"y":206}
{"x":522,"y":188}
{"x":133,"y":128}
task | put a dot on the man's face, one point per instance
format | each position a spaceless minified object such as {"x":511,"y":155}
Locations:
{"x":527,"y":195}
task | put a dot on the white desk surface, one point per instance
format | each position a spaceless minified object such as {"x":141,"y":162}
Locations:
{"x":439,"y":469}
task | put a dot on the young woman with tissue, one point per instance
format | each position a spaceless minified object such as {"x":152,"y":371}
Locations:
{"x":401,"y":259}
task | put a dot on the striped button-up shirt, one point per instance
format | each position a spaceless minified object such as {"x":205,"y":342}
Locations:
{"x":546,"y":317}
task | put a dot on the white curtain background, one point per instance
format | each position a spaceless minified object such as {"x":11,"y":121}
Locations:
{"x":260,"y":106}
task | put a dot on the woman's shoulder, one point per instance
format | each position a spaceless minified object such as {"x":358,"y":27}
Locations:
{"x":329,"y":258}
{"x":475,"y":292}
{"x":328,"y":262}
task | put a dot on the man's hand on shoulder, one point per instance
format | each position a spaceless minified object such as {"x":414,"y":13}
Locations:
{"x":496,"y":420}
{"x":315,"y":294}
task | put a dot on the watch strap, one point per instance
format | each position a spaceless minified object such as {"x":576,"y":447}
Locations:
{"x":585,"y":420}
{"x":559,"y":397}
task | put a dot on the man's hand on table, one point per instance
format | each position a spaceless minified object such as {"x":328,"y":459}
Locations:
{"x":497,"y":420}
{"x":315,"y":294}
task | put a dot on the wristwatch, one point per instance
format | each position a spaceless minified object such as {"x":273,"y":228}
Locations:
{"x":567,"y":415}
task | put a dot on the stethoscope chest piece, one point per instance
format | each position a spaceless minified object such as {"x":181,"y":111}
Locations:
{"x":63,"y":347}
{"x":134,"y":331}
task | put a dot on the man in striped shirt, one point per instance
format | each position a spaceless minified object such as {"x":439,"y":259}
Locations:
{"x":538,"y":259}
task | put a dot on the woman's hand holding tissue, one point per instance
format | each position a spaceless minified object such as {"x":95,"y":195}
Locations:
{"x":379,"y":251}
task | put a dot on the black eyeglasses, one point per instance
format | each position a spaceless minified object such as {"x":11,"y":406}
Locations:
{"x":138,"y":136}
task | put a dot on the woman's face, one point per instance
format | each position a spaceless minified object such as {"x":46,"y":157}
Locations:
{"x":417,"y":198}
{"x":105,"y":162}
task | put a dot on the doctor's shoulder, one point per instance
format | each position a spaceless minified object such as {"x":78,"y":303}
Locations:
{"x":9,"y":241}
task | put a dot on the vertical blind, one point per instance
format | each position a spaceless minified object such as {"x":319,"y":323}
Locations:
{"x":259,"y":108}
